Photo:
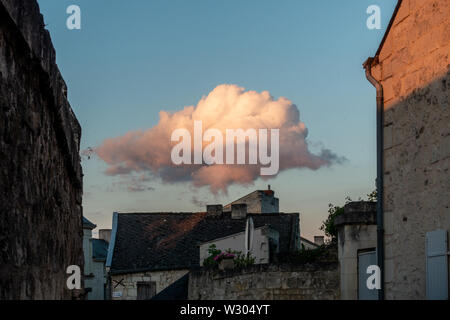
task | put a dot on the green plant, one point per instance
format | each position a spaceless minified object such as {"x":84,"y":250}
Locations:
{"x":242,"y":260}
{"x":303,"y":256}
{"x":213,"y":252}
{"x":216,"y":255}
{"x":333,"y":211}
{"x":372,"y":196}
{"x":328,"y":225}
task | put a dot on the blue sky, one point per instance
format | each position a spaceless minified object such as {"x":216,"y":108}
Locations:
{"x":132,"y":59}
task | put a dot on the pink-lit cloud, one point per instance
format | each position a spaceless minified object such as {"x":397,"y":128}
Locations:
{"x":225,"y":107}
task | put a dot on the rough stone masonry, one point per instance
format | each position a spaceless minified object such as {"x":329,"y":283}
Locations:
{"x":318,"y":281}
{"x":414,"y":69}
{"x":40,"y":171}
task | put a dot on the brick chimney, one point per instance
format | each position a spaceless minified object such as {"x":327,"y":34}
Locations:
{"x":214,"y":210}
{"x":239,"y":211}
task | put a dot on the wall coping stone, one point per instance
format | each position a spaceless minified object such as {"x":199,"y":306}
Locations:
{"x":261,"y":268}
{"x":358,"y":212}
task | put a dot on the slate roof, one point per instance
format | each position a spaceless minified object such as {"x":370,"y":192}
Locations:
{"x":168,"y":241}
{"x":87,"y":224}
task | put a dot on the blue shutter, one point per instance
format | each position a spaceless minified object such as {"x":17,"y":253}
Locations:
{"x":437,"y":265}
{"x":365,"y":260}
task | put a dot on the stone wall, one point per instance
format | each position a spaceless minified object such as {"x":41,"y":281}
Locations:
{"x":414,"y":69}
{"x":127,"y":290}
{"x":259,"y":201}
{"x":40,"y":171}
{"x":267,"y":282}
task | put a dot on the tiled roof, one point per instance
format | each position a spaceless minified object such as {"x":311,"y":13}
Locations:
{"x":166,"y":241}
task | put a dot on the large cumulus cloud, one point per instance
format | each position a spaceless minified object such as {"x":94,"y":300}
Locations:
{"x":225,"y":107}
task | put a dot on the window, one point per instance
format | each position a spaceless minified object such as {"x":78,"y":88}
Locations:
{"x":146,"y":290}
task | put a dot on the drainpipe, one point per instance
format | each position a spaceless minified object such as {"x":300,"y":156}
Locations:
{"x":379,"y":182}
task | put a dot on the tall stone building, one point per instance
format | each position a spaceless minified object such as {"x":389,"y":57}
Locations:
{"x":412,"y":72}
{"x":258,"y":201}
{"x":40,"y":172}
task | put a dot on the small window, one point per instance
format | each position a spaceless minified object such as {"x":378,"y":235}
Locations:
{"x":146,"y":290}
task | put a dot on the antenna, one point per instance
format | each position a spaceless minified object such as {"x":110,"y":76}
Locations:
{"x":249,"y":231}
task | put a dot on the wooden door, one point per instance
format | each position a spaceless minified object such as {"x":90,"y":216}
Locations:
{"x":146,"y":290}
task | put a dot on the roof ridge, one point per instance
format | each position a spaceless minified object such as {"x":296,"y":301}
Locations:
{"x":388,"y":29}
{"x":160,"y":212}
{"x":257,"y":190}
{"x":272,"y":213}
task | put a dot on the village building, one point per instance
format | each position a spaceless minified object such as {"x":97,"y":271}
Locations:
{"x":264,"y":201}
{"x":95,"y":253}
{"x":407,"y":237}
{"x":265,"y":244}
{"x":258,"y":201}
{"x":151,"y":251}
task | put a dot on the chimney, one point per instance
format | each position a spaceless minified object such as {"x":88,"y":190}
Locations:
{"x":214,"y":210}
{"x":239,"y":211}
{"x":104,"y":234}
{"x":318,"y":240}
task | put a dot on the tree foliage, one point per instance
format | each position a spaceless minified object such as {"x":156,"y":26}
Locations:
{"x":333,"y":211}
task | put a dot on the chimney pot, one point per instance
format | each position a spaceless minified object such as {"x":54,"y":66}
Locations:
{"x":239,"y":211}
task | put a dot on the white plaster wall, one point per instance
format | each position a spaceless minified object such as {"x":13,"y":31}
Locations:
{"x":236,"y":242}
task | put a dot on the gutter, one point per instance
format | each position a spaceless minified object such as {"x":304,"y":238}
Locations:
{"x":112,"y":240}
{"x":379,"y":182}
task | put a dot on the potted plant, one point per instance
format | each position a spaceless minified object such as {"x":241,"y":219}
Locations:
{"x":225,"y":260}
